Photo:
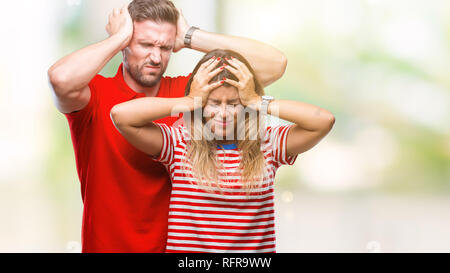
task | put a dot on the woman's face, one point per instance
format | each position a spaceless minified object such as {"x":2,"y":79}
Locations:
{"x":221,"y":111}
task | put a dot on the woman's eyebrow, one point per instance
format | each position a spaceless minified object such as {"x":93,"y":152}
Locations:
{"x":228,"y":101}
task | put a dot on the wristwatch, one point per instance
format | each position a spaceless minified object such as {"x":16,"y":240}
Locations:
{"x":265,"y":104}
{"x":188,"y":36}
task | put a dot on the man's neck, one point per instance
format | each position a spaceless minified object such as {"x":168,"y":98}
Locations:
{"x":136,"y":87}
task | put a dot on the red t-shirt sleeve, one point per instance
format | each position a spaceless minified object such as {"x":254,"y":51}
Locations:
{"x":80,"y":123}
{"x":81,"y":119}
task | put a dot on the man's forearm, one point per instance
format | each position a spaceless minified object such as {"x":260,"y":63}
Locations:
{"x":268,"y":62}
{"x":75,"y":71}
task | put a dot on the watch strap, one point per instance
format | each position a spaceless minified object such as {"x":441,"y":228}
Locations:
{"x":188,"y":36}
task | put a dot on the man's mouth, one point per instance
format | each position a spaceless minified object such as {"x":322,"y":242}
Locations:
{"x":151,"y":67}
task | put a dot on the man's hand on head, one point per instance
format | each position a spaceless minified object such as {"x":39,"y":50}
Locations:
{"x":121,"y":25}
{"x":182,"y":28}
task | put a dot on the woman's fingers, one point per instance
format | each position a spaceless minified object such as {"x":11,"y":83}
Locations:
{"x":206,"y":64}
{"x":239,"y":69}
{"x":239,"y":66}
{"x":215,"y":72}
{"x":232,"y":82}
{"x":214,"y":85}
{"x":234,"y":71}
{"x":211,"y":66}
{"x":205,"y":74}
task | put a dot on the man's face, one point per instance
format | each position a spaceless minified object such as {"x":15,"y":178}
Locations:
{"x":148,"y":53}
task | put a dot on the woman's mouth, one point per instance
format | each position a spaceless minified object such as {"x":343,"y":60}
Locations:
{"x":223,"y":122}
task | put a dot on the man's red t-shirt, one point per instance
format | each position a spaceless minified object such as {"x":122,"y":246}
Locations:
{"x":125,"y":193}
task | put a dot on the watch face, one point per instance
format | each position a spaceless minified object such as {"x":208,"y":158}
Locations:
{"x":267,"y":97}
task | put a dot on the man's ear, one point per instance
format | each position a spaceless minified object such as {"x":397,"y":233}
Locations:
{"x":125,"y":52}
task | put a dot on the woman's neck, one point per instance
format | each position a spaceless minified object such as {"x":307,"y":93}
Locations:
{"x":225,"y":142}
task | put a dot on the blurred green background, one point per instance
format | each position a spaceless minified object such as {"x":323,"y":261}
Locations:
{"x":380,"y":181}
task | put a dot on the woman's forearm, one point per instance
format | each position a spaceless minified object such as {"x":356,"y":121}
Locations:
{"x":307,"y":116}
{"x":140,"y":112}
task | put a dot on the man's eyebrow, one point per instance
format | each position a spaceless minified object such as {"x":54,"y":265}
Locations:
{"x":144,"y":41}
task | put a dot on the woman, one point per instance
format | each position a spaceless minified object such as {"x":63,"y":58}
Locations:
{"x":222,"y":160}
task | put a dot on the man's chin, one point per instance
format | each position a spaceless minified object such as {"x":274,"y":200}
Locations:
{"x":150,"y":81}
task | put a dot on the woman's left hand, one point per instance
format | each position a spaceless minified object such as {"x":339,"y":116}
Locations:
{"x":246,"y":83}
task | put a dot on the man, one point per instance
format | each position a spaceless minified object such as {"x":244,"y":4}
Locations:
{"x":124,"y":192}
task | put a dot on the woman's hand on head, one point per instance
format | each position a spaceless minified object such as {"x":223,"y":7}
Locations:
{"x":245,"y":84}
{"x":200,"y":86}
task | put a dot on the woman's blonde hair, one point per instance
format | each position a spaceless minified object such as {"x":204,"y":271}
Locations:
{"x":201,"y":152}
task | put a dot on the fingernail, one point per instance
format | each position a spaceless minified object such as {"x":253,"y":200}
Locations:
{"x":222,"y":82}
{"x":224,"y":78}
{"x":222,"y":67}
{"x":218,"y":59}
{"x":213,"y":57}
{"x":232,"y":57}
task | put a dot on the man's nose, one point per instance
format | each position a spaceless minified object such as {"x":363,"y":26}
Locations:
{"x":155,"y":55}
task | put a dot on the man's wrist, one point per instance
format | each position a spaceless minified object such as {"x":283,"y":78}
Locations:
{"x":122,"y":39}
{"x":187,"y":41}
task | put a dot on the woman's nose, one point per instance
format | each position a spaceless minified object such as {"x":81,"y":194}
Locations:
{"x":223,"y":110}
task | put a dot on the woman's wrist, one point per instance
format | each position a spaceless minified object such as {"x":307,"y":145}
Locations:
{"x":192,"y":102}
{"x":254,"y":103}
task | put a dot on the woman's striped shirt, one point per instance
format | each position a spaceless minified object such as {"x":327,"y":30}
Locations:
{"x":228,"y":221}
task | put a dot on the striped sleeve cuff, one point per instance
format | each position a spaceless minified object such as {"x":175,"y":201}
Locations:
{"x":167,"y":149}
{"x":279,"y":145}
